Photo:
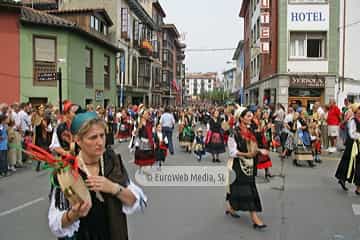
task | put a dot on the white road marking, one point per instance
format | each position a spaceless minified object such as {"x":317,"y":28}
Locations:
{"x":21,"y":207}
{"x":356,"y":209}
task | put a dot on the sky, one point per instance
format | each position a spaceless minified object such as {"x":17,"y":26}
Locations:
{"x":206,"y":24}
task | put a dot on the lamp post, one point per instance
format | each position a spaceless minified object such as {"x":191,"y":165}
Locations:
{"x":59,"y":78}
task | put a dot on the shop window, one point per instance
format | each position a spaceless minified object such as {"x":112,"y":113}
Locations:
{"x":307,"y":45}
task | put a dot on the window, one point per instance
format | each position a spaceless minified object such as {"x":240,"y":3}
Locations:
{"x":44,"y":59}
{"x":92,"y":21}
{"x":106,"y":72}
{"x":97,"y":24}
{"x":307,"y":45}
{"x":89,"y":68}
{"x":136,"y":33}
{"x":125,"y":23}
{"x":134,"y":72}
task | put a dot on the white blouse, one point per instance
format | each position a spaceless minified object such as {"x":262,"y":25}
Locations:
{"x":55,"y":215}
{"x":353,"y":133}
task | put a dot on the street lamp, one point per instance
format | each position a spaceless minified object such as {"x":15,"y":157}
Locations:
{"x":59,"y":78}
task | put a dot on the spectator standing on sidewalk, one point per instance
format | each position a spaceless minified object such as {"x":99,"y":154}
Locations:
{"x":167,"y":122}
{"x":3,"y":145}
{"x":333,"y":121}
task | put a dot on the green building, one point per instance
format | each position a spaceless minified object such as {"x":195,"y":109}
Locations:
{"x":86,"y":58}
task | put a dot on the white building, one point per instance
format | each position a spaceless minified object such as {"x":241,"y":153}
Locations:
{"x":199,"y":83}
{"x":229,"y":80}
{"x":350,"y":88}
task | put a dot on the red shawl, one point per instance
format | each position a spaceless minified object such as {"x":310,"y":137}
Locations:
{"x":149,"y":133}
{"x":247,"y":134}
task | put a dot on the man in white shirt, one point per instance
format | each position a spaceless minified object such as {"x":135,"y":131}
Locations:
{"x":167,"y":122}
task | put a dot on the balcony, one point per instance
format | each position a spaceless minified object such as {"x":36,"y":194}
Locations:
{"x":146,"y":48}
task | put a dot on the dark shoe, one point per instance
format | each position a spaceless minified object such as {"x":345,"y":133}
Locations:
{"x":295,"y":162}
{"x":357,"y":193}
{"x":311,"y":164}
{"x":343,"y":185}
{"x":214,"y":160}
{"x":259,"y":227}
{"x":269,"y":175}
{"x":217,"y":160}
{"x":231,"y":214}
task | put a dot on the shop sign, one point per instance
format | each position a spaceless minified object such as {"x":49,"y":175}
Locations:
{"x":265,"y":32}
{"x":307,"y":82}
{"x":265,"y":47}
{"x":264,"y":17}
{"x":47,"y":76}
{"x":265,"y":4}
{"x":99,"y":95}
{"x":307,"y":17}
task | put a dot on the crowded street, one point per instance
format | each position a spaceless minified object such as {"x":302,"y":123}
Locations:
{"x":305,"y":204}
{"x":179,"y":120}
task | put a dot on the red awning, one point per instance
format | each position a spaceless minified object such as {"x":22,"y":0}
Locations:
{"x":174,"y":85}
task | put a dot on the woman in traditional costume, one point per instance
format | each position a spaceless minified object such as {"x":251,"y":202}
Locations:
{"x":215,"y":138}
{"x":260,"y":125}
{"x":42,"y":131}
{"x":188,"y":131}
{"x":303,"y":151}
{"x":112,"y":193}
{"x":348,"y":169}
{"x":144,"y":143}
{"x":242,"y":194}
{"x":124,"y":123}
{"x":161,"y":145}
{"x":181,"y":127}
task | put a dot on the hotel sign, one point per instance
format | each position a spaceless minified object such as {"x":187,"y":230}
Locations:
{"x":308,"y":17}
{"x":307,"y":82}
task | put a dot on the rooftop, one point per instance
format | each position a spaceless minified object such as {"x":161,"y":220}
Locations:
{"x":101,"y":11}
{"x":35,"y":17}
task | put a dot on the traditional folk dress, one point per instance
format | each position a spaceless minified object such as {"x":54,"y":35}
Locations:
{"x":181,"y":128}
{"x":106,"y":219}
{"x":188,"y":131}
{"x":215,"y":138}
{"x":264,"y":161}
{"x":199,"y":146}
{"x":242,"y":194}
{"x":124,"y":131}
{"x":349,"y":166}
{"x":303,"y":150}
{"x":161,"y":147}
{"x":144,"y":146}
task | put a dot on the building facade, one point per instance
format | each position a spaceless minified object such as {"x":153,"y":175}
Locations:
{"x":239,"y":74}
{"x":48,"y":43}
{"x":197,"y":84}
{"x":229,"y":78}
{"x":138,"y":31}
{"x":349,"y":80}
{"x":291,"y":51}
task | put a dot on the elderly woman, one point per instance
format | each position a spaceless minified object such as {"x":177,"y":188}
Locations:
{"x":112,"y":193}
{"x":242,"y":194}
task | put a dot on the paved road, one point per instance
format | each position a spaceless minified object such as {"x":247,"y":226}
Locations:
{"x":306,"y":204}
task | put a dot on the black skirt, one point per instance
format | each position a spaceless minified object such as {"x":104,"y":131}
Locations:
{"x":243,"y":194}
{"x":342,"y":170}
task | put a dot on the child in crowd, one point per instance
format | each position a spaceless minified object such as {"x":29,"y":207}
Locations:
{"x":161,"y":145}
{"x":12,"y":146}
{"x":3,"y":146}
{"x":315,"y":140}
{"x":199,"y":144}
